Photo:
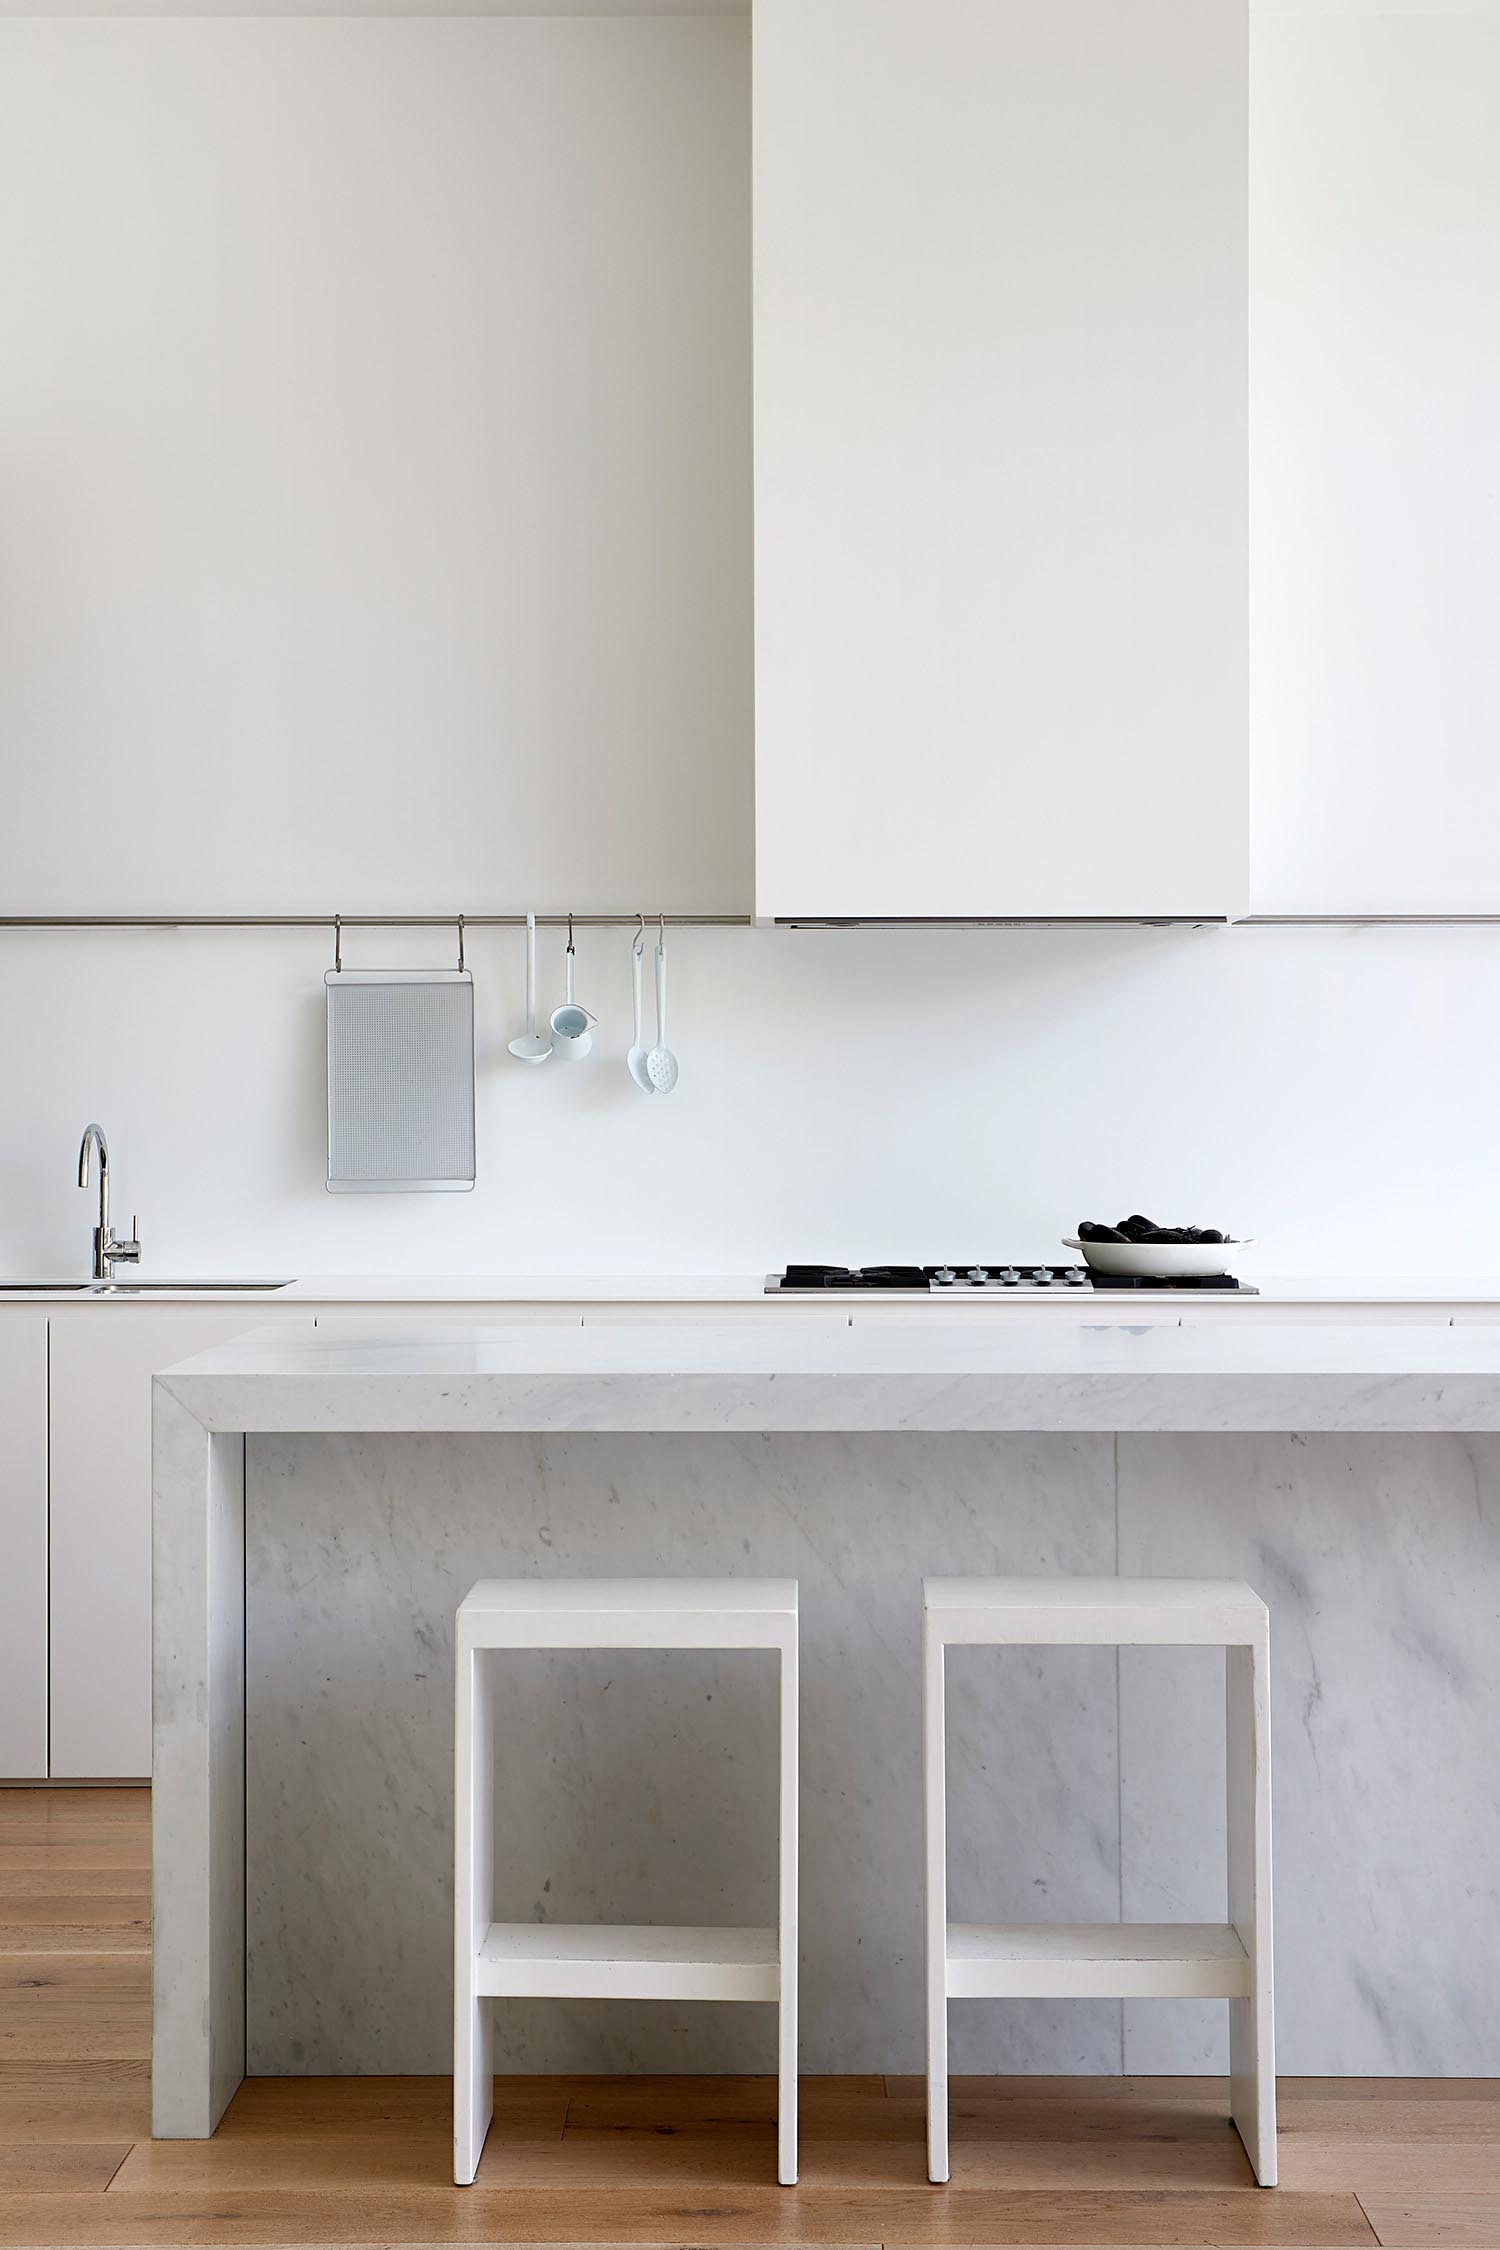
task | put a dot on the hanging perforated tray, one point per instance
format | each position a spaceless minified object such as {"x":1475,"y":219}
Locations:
{"x":400,"y":1081}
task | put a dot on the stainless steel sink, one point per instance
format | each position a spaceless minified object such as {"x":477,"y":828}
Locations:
{"x":137,"y":1288}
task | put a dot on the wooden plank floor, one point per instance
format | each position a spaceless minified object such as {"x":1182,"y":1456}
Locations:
{"x":1150,"y":2163}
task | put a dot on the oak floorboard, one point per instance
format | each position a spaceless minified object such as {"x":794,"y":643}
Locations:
{"x":74,"y":2007}
{"x":922,"y":2218}
{"x":273,"y":2109}
{"x":1403,"y":2118}
{"x":59,"y":2167}
{"x":1080,"y":2117}
{"x":590,"y":2165}
{"x":1202,"y":2093}
{"x":974,"y":2121}
{"x":90,"y":1923}
{"x":75,"y":2101}
{"x":835,"y":2108}
{"x":1396,"y":2168}
{"x":106,"y":1852}
{"x":1436,"y":2222}
{"x":601,"y":2104}
{"x":342,"y":2162}
{"x":62,"y":1809}
{"x":900,"y":2162}
{"x":130,"y":1886}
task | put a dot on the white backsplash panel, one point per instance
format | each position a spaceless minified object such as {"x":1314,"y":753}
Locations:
{"x":846,"y":1095}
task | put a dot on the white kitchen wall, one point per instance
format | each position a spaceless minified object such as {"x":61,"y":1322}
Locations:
{"x":845,"y":1094}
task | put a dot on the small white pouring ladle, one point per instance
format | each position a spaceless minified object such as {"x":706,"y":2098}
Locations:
{"x":661,"y":1063}
{"x":531,"y":1045}
{"x":572,"y":1025}
{"x":635,"y":1061}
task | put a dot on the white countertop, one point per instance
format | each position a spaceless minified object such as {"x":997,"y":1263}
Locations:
{"x":747,"y":1292}
{"x":408,"y":1289}
{"x":739,"y":1289}
{"x":830,"y":1376}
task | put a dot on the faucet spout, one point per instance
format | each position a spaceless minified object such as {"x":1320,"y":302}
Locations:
{"x":93,"y":1134}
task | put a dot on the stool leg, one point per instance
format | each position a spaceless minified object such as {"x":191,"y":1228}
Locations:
{"x":1252,"y":2049}
{"x":473,"y":1909}
{"x":786,"y":2014}
{"x":934,"y":1790}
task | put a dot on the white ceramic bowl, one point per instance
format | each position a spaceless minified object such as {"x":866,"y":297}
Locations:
{"x":1158,"y":1261}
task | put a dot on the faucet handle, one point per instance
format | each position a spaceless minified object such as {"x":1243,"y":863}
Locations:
{"x":129,"y":1252}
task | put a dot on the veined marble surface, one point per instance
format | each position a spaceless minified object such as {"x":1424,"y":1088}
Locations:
{"x":641,"y":1787}
{"x":1380,"y":1561}
{"x":808,"y":1376}
{"x":383,"y":1473}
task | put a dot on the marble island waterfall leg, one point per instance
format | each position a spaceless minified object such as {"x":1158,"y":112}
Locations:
{"x":198,"y":1771}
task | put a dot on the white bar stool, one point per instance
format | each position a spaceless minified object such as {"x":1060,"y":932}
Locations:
{"x":494,"y":1960}
{"x":1144,"y":1960}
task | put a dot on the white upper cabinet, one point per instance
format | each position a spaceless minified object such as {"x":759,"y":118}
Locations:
{"x":378,"y":386}
{"x":1375,"y":458}
{"x":1000,"y":384}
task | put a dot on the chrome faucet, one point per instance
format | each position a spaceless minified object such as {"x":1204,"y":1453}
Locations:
{"x":108,"y":1250}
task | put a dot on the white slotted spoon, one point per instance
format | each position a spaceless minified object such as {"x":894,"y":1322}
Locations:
{"x":661,"y":1063}
{"x":530,"y":1045}
{"x":636,"y":1060}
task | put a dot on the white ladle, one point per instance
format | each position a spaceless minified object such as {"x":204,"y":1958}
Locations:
{"x":661,"y":1063}
{"x":635,"y":1061}
{"x":531,"y":1045}
{"x":572,"y":1025}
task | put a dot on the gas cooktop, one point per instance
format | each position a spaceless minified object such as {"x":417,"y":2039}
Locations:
{"x":995,"y":1278}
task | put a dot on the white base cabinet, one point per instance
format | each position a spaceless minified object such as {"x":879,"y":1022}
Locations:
{"x":75,"y":1510}
{"x":23,"y":1543}
{"x":102,"y":1361}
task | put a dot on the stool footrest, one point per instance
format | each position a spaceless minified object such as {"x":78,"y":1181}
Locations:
{"x":621,"y":1961}
{"x":1096,"y":1961}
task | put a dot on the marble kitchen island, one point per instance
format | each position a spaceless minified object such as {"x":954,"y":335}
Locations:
{"x":323,"y":1500}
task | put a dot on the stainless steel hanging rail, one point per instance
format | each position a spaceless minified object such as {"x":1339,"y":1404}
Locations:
{"x":353,"y":921}
{"x":745,"y":921}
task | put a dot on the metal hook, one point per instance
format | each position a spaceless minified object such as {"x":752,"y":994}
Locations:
{"x":460,"y":945}
{"x":661,"y":933}
{"x":570,"y":933}
{"x":638,"y":942}
{"x":338,"y":945}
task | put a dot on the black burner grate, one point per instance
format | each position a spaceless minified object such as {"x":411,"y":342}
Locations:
{"x":998,"y":1278}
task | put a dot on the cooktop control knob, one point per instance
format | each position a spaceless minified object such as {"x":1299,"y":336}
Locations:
{"x":1076,"y":1277}
{"x":944,"y":1274}
{"x":1009,"y":1276}
{"x":977,"y":1273}
{"x":1043,"y":1277}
